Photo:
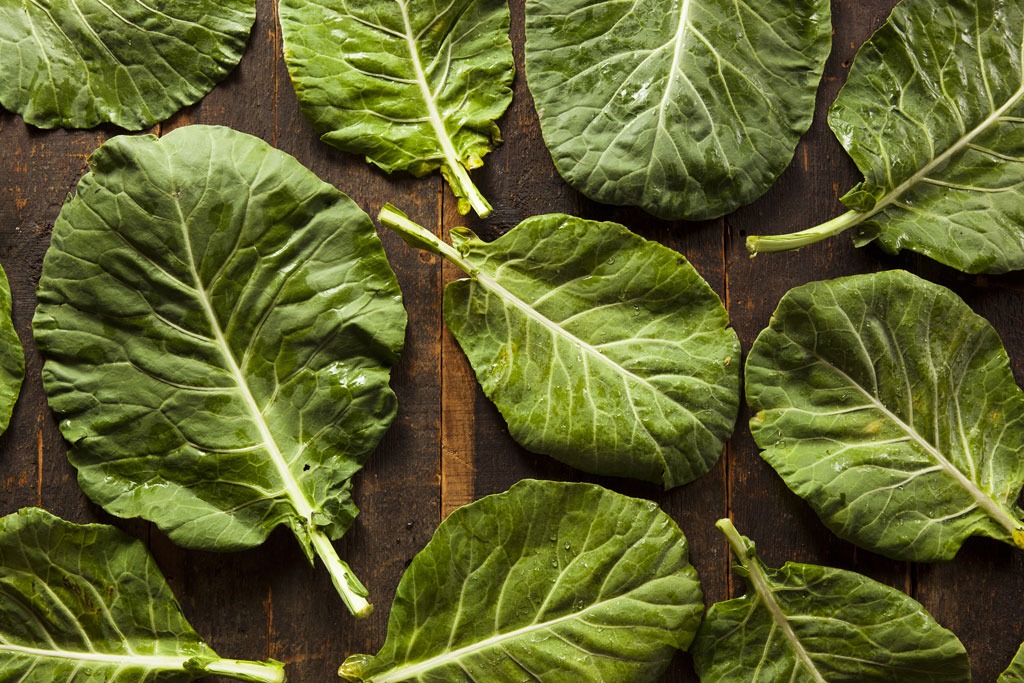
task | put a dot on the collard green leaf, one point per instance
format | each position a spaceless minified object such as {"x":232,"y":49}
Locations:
{"x":12,"y":357}
{"x":219,"y":326}
{"x":88,"y":603}
{"x":1015,"y":672}
{"x":548,"y":581}
{"x":414,"y":85}
{"x":808,"y":623}
{"x":600,"y":348}
{"x":887,"y":404}
{"x":933,"y":115}
{"x":80,"y":63}
{"x":685,"y":108}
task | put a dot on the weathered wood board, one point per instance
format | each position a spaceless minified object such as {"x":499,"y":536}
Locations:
{"x":449,"y":445}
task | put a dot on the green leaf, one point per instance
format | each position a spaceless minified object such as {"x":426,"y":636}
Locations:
{"x":600,"y":348}
{"x":219,"y":326}
{"x":807,"y":623}
{"x":933,"y":115}
{"x":88,"y":603}
{"x":1015,"y":672}
{"x":80,"y":63}
{"x":686,"y":108}
{"x":887,"y":404}
{"x":12,"y":357}
{"x":548,"y":581}
{"x":413,"y":85}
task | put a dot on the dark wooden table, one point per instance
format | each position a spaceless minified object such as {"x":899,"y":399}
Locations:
{"x":449,"y":445}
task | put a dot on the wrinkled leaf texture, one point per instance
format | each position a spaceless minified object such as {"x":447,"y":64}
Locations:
{"x":80,"y":63}
{"x":890,"y":406}
{"x":414,"y":85}
{"x":88,"y":603}
{"x":548,"y":581}
{"x":219,"y":327}
{"x":685,"y":108}
{"x":602,"y":349}
{"x":933,"y":116}
{"x":12,"y":356}
{"x":811,"y":624}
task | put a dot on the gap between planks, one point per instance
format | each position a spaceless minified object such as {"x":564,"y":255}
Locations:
{"x":458,"y":393}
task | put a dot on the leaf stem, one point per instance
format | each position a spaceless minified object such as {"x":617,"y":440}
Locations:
{"x":417,"y":236}
{"x":741,"y":547}
{"x":743,"y":550}
{"x":351,"y":590}
{"x":470,"y":192}
{"x":758,"y":244}
{"x":243,"y":670}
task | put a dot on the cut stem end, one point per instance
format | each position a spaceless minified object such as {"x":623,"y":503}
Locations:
{"x":419,"y":237}
{"x":243,"y":670}
{"x":351,"y":590}
{"x":758,"y":244}
{"x":467,"y":192}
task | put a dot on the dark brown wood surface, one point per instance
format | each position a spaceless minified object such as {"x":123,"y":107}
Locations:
{"x":449,"y":445}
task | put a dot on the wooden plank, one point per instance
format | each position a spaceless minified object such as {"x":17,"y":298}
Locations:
{"x":458,"y":400}
{"x":449,"y":445}
{"x":806,"y":194}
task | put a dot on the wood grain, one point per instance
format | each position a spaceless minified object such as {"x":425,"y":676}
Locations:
{"x":449,"y":445}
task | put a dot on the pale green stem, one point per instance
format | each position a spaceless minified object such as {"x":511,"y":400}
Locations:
{"x":740,"y":547}
{"x":256,"y":672}
{"x":757,"y":244}
{"x":419,"y":237}
{"x":351,"y":590}
{"x":242,"y":670}
{"x":744,"y":552}
{"x":476,"y":200}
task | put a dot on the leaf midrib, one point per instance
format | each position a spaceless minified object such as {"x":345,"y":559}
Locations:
{"x":406,"y":672}
{"x":767,"y":598}
{"x":677,"y":57}
{"x":162,"y":662}
{"x":433,"y":113}
{"x":293,"y":492}
{"x":556,"y":329}
{"x":985,"y":502}
{"x":960,"y":145}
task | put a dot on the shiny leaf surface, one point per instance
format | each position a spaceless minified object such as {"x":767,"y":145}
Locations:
{"x":685,"y":108}
{"x":548,"y":581}
{"x":414,"y":85}
{"x":806,"y":623}
{"x":88,"y":603}
{"x":933,"y":115}
{"x":600,"y":348}
{"x":80,"y":63}
{"x":888,"y":405}
{"x":219,"y":327}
